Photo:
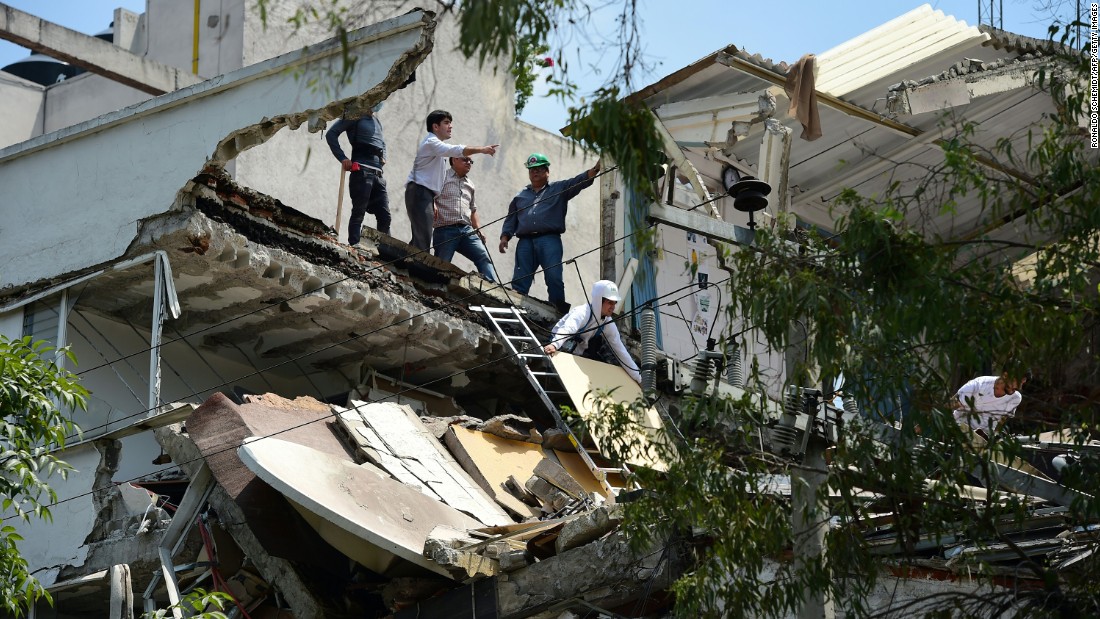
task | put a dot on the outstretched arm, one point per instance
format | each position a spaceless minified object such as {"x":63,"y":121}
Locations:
{"x":611,"y":334}
{"x":480,"y":150}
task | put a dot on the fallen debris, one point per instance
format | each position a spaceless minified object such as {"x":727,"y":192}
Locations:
{"x":392,"y":436}
{"x":589,"y":527}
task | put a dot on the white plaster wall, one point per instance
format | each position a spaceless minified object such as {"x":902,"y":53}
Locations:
{"x":297,"y":168}
{"x":47,"y":546}
{"x":34,"y":110}
{"x":907,"y":597}
{"x":116,"y":166}
{"x":84,"y":97}
{"x":672,"y":275}
{"x":11,"y":323}
{"x":189,"y":373}
{"x":22,"y":104}
{"x":170,"y":26}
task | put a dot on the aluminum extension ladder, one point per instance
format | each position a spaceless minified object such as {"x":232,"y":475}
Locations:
{"x":527,"y":351}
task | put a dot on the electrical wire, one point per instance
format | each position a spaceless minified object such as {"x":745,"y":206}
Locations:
{"x":377,"y":267}
{"x":489,"y":363}
{"x":259,"y":372}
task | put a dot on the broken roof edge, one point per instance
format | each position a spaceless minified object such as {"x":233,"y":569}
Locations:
{"x":329,"y":47}
{"x":207,"y":124}
{"x":1010,"y":41}
{"x":672,"y":79}
{"x":680,"y":75}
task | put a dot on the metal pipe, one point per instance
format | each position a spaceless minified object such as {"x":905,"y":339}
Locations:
{"x":195,"y":43}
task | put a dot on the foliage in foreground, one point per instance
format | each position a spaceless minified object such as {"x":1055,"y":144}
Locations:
{"x":906,"y":312}
{"x":196,"y":604}
{"x":36,"y":398}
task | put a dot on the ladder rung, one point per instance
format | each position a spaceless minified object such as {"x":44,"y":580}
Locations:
{"x":534,"y":377}
{"x":498,"y":310}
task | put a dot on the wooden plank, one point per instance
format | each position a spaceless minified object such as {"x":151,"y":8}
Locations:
{"x":168,"y":572}
{"x":557,"y":475}
{"x":490,"y":460}
{"x":584,"y":377}
{"x":352,"y":425}
{"x":571,"y":461}
{"x":519,"y":532}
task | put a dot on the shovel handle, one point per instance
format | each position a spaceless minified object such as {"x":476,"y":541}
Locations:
{"x":340,"y":201}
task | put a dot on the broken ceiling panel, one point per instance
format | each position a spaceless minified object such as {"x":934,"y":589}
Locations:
{"x":490,"y":460}
{"x":396,"y":440}
{"x":379,"y":522}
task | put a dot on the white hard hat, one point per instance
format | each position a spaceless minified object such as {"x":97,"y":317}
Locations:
{"x":611,"y":292}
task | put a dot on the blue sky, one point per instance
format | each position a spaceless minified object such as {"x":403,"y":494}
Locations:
{"x":674,"y":34}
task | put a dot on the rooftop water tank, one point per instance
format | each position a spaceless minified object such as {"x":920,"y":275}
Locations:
{"x":44,"y":70}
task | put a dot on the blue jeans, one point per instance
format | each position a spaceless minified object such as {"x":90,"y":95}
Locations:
{"x":463,"y":239}
{"x":541,"y":251}
{"x":420,"y":205}
{"x":368,"y":195}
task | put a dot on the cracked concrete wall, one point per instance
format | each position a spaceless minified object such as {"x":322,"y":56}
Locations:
{"x":209,"y":123}
{"x":95,"y":524}
{"x":298,"y":169}
{"x":49,"y":547}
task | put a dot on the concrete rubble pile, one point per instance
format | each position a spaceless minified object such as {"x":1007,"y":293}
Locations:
{"x":373,"y":507}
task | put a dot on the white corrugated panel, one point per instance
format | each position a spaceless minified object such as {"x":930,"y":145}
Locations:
{"x":891,"y":47}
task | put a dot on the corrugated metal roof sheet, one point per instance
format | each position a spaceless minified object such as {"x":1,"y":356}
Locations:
{"x":864,"y":146}
{"x":891,"y":48}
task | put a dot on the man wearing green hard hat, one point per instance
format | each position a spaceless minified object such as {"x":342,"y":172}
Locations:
{"x":537,"y":216}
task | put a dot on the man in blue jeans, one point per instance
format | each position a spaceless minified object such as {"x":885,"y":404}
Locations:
{"x":429,"y":168}
{"x":456,"y":224}
{"x":537,"y":216}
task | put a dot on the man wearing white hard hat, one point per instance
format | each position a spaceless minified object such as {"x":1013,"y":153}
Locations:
{"x":589,"y":331}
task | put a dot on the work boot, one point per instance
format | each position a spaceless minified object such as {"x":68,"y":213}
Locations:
{"x":562,"y":307}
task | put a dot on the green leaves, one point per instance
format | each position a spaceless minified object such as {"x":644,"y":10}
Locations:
{"x":525,"y":65}
{"x":625,"y":132}
{"x":199,"y":603}
{"x":37,"y":399}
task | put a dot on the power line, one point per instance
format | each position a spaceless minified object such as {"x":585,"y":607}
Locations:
{"x":327,"y":417}
{"x":333,"y":283}
{"x":344,"y":341}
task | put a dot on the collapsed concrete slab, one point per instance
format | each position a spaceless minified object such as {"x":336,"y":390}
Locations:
{"x":604,"y":574}
{"x":377,"y":521}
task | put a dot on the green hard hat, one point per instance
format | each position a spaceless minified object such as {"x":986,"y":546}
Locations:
{"x":537,"y":160}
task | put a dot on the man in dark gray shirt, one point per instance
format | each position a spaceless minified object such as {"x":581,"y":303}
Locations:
{"x":368,"y":155}
{"x":537,"y":216}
